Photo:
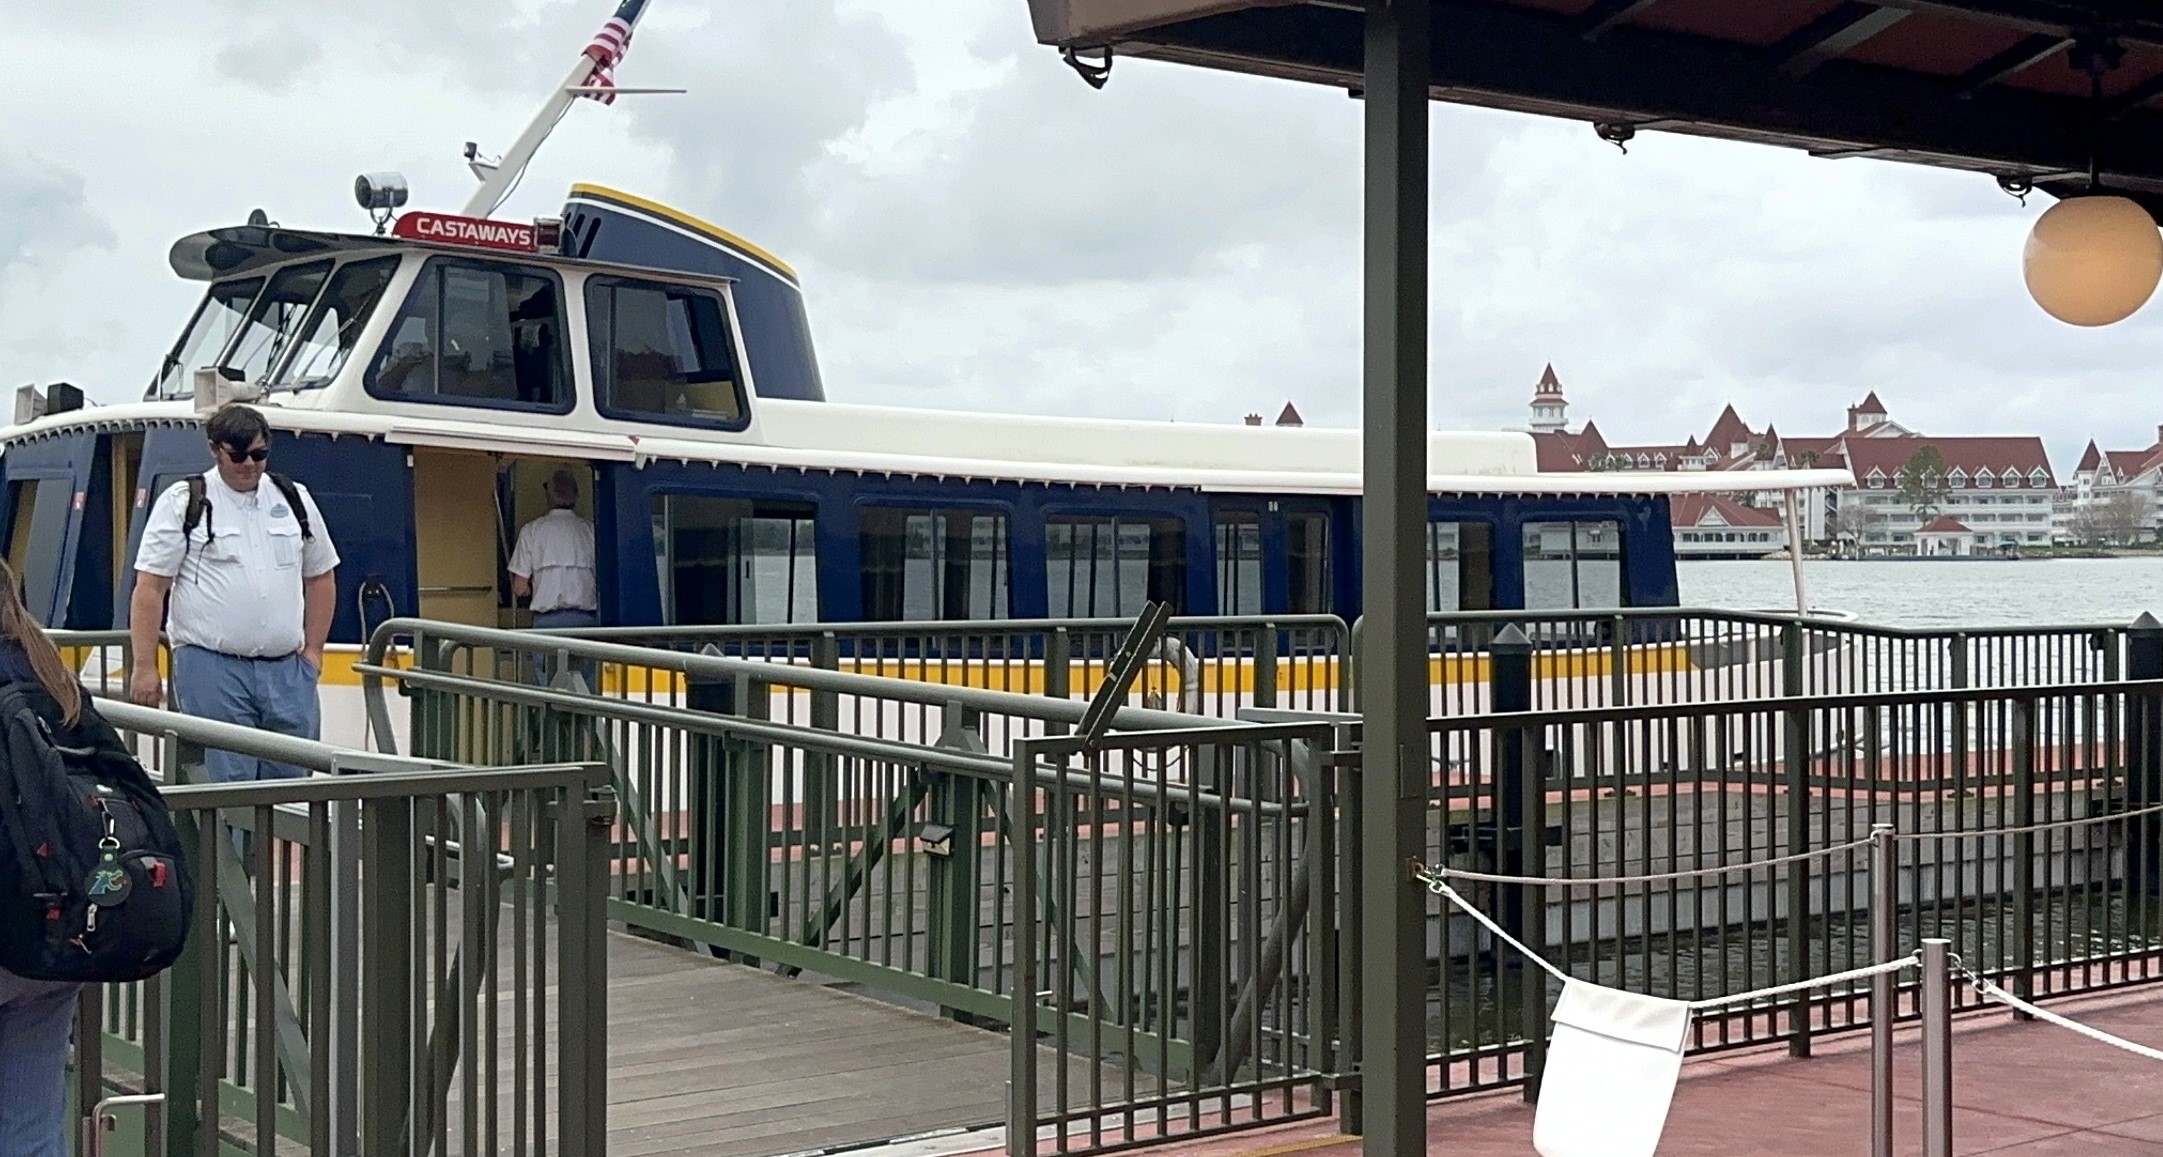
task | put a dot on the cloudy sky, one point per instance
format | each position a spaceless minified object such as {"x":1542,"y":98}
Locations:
{"x":977,"y":229}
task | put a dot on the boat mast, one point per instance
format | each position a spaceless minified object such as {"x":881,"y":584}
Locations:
{"x":601,"y":54}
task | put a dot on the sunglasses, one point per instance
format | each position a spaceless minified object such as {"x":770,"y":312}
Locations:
{"x":259,"y":454}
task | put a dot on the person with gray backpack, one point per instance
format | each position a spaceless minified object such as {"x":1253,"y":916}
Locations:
{"x":94,"y":884}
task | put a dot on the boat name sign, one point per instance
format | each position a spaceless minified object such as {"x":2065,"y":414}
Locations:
{"x":479,"y":232}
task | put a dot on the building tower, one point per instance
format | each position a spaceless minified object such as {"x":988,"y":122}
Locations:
{"x":1550,"y":413}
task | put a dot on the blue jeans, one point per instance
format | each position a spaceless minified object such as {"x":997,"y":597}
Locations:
{"x":275,"y":695}
{"x":35,"y":1019}
{"x":544,"y":664}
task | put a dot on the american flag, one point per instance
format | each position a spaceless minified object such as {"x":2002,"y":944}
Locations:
{"x":607,"y":50}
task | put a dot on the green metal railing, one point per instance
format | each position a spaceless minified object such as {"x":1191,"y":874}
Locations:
{"x":2047,"y":892}
{"x":1144,"y":916}
{"x":1172,"y":893}
{"x":1634,"y":656}
{"x":381,"y":963}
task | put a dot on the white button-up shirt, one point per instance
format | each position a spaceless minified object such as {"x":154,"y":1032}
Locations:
{"x":555,"y":553}
{"x":237,"y":578}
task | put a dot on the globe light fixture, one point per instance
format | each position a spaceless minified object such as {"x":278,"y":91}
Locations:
{"x":2093,"y":260}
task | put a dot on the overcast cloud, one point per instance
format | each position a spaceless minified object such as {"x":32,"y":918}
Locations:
{"x":978,"y":229}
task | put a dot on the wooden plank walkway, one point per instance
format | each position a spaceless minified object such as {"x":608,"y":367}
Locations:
{"x":718,"y":1060}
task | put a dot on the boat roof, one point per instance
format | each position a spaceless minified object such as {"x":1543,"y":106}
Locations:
{"x":236,"y":250}
{"x":831,"y":437}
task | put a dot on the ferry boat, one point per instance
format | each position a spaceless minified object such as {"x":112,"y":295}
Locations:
{"x":424,"y":379}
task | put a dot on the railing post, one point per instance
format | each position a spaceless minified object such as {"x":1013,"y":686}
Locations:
{"x":826,"y":716}
{"x":747,"y":824}
{"x":2023,"y":741}
{"x":1351,"y":853}
{"x":707,"y":763}
{"x":1348,"y":667}
{"x":957,"y":805}
{"x":194,"y":1020}
{"x":1795,"y":760}
{"x":1884,"y":943}
{"x":388,"y":904}
{"x":1937,"y":1010}
{"x":1058,"y":671}
{"x":2144,"y":747}
{"x":582,"y":852}
{"x":1522,"y":804}
{"x":1021,"y":1074}
{"x":1793,"y":673}
{"x":1265,"y":664}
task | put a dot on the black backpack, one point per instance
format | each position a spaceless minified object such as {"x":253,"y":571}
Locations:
{"x":199,"y":505}
{"x":94,"y":886}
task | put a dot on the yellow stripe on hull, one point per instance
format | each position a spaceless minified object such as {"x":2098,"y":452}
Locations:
{"x":1027,"y":677}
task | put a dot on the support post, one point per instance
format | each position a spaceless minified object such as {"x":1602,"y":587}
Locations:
{"x":1393,"y":666}
{"x":1937,"y":1009}
{"x":1884,"y":942}
{"x":1022,"y":1069}
{"x":1795,"y":761}
{"x":1521,"y":829}
{"x":2144,"y":748}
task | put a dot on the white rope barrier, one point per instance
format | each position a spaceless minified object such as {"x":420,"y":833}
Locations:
{"x":2007,"y":999}
{"x":1440,"y":887}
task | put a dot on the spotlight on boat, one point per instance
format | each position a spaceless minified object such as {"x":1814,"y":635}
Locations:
{"x":380,"y":192}
{"x":2093,"y":260}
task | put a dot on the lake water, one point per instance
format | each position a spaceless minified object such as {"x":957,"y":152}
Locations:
{"x":1940,"y":593}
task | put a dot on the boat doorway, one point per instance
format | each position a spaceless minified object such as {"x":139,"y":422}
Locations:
{"x":467,"y":509}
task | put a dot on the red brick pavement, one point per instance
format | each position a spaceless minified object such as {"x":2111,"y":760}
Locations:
{"x":2019,"y":1089}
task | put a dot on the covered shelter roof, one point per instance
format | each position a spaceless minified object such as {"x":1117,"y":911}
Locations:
{"x":2002,"y":87}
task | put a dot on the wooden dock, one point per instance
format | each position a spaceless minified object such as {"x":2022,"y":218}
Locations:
{"x":714,"y":1059}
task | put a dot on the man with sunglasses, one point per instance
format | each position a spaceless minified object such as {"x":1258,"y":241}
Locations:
{"x":251,"y":574}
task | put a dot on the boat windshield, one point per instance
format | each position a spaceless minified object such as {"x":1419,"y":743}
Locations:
{"x":213,"y":325}
{"x":327,"y":336}
{"x":275,"y":321}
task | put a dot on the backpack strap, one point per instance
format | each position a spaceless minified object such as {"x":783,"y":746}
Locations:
{"x":292,"y":497}
{"x":197,"y":511}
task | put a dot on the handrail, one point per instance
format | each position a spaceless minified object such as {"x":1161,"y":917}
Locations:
{"x":1761,"y":618}
{"x":780,"y":674}
{"x":303,"y":753}
{"x":944,"y":627}
{"x":1839,"y":701}
{"x":994,"y":769}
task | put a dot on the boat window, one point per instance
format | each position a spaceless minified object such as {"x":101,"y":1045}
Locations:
{"x":37,"y":524}
{"x":1460,"y":566}
{"x":215,"y":321}
{"x":1239,"y":563}
{"x":477,"y":334}
{"x":732,"y":560}
{"x":1573,"y":564}
{"x":662,"y":353}
{"x":274,"y":322}
{"x":328,"y":335}
{"x":1108,"y":567}
{"x":1307,"y":553}
{"x":933,"y":564}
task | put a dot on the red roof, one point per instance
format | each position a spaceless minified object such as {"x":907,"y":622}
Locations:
{"x":1700,"y":510}
{"x":1871,"y":405}
{"x":2089,"y":458}
{"x":1727,"y":430}
{"x":1289,"y":416}
{"x":1944,"y":524}
{"x":1550,"y":386}
{"x":2023,"y":455}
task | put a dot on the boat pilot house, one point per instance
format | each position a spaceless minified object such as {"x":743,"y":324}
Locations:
{"x":425,"y":383}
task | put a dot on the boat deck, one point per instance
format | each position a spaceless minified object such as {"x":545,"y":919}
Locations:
{"x":2019,"y":1089}
{"x":720,"y":1060}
